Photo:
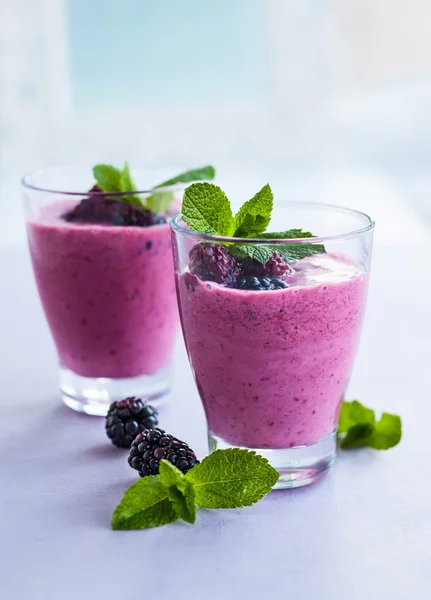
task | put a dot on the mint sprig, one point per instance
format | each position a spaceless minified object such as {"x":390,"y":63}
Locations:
{"x":181,"y":491}
{"x":254,"y":215}
{"x":145,"y":504}
{"x":231,"y":478}
{"x":358,"y":427}
{"x":206,"y":209}
{"x":225,"y":479}
{"x":112,"y":179}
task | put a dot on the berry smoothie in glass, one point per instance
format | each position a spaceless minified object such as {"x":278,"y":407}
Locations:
{"x":102,"y":258}
{"x":272,"y":321}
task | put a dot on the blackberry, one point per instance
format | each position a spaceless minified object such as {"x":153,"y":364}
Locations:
{"x":275,"y":267}
{"x":150,"y":446}
{"x":127,"y":418}
{"x":97,"y":208}
{"x":260,"y":283}
{"x":211,"y":262}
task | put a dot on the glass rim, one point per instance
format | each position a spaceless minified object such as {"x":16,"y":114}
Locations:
{"x":27,"y":183}
{"x":369,"y":226}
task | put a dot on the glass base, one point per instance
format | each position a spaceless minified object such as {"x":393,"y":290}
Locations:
{"x":93,"y":395}
{"x":298,"y":466}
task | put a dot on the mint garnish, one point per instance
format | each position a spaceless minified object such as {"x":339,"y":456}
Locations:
{"x":145,"y":504}
{"x":108,"y":178}
{"x":181,"y":491}
{"x":358,"y":427}
{"x":232,"y":478}
{"x":203,"y":173}
{"x":225,"y":479}
{"x":206,"y":209}
{"x":112,"y":179}
{"x":254,"y":215}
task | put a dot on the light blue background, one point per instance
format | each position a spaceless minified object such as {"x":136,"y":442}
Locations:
{"x":130,"y":53}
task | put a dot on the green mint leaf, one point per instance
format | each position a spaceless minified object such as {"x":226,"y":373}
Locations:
{"x":356,"y":436}
{"x":258,"y":252}
{"x":181,"y":491}
{"x":231,"y":478}
{"x":254,"y":215}
{"x":206,"y":209}
{"x":145,"y":504}
{"x":289,"y":251}
{"x":387,"y":432}
{"x":127,"y":184}
{"x":294,"y":251}
{"x":159,"y":201}
{"x":358,"y":427}
{"x":290,"y":234}
{"x":204,"y":173}
{"x":108,"y":178}
{"x":354,"y":413}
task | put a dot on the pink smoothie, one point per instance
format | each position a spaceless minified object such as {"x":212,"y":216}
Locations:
{"x":108,"y":294}
{"x":272,"y":367}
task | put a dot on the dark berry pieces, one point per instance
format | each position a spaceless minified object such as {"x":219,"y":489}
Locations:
{"x":260,"y":283}
{"x":97,"y":208}
{"x":275,"y":267}
{"x":211,"y":262}
{"x":127,"y":418}
{"x":153,"y":445}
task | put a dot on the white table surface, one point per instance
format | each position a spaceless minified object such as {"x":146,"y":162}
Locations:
{"x":363,"y":532}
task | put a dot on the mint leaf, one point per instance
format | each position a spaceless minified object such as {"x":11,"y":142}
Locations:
{"x":111,"y":179}
{"x":145,"y":504}
{"x":206,"y":209}
{"x":294,"y":251}
{"x":159,"y":201}
{"x":285,"y":235}
{"x":358,"y":427}
{"x":353,"y":413}
{"x":258,"y":252}
{"x":207,"y":172}
{"x":126,"y":183}
{"x":356,"y":436}
{"x":387,"y":432}
{"x":181,"y":491}
{"x":263,"y":253}
{"x":254,"y":215}
{"x":231,"y":478}
{"x":108,"y":178}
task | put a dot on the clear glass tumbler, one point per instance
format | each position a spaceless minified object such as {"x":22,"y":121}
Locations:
{"x":108,"y":292}
{"x":272,"y":365}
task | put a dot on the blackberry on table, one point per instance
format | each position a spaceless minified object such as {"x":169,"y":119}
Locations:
{"x":153,"y":445}
{"x":126,"y":418}
{"x":211,"y":262}
{"x":97,"y":208}
{"x":260,"y":283}
{"x":275,"y":268}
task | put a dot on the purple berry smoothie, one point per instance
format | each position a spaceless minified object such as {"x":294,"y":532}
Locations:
{"x":108,"y":294}
{"x":272,"y":367}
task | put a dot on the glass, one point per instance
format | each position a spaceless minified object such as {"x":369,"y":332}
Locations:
{"x":272,"y":366}
{"x":108,"y":292}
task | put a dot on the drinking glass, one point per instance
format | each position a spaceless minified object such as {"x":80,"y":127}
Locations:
{"x":272,"y":365}
{"x":108,"y":292}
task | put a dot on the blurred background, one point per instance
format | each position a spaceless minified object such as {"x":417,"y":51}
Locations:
{"x":326,"y":99}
